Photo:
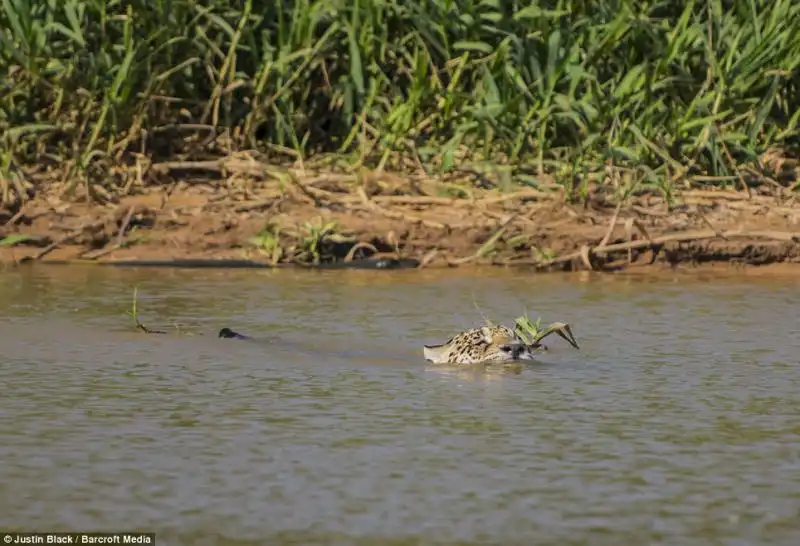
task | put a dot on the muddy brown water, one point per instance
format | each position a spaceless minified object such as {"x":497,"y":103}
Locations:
{"x":678,"y":421}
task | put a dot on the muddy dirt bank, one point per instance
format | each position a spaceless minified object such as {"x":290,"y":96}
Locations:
{"x":319,"y":218}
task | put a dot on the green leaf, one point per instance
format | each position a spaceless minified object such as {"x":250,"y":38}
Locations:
{"x":14,"y":239}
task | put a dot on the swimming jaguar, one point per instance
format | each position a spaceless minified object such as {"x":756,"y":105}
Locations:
{"x":487,"y":344}
{"x":493,"y":344}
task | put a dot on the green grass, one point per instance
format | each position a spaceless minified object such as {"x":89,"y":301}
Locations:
{"x":663,"y":91}
{"x":313,"y":242}
{"x":139,"y":326}
{"x":532,"y":332}
{"x":134,"y":314}
{"x":13,"y":239}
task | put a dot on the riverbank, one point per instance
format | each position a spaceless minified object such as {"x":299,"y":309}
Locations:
{"x":238,"y":209}
{"x":590,"y":138}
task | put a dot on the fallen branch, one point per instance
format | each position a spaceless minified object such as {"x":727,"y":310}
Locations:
{"x":358,"y":246}
{"x":729,"y":195}
{"x":451,"y":201}
{"x":219,"y":166}
{"x":63,"y":240}
{"x":611,"y":225}
{"x":125,"y":223}
{"x":487,"y":246}
{"x":256,"y":205}
{"x":682,"y":237}
{"x":369,"y":205}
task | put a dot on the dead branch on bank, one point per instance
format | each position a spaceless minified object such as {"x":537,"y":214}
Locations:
{"x":586,"y":252}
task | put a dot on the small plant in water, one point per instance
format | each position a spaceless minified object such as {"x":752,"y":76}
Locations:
{"x":134,"y":313}
{"x":532,"y":333}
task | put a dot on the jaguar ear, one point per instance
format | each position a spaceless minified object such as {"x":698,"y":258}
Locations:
{"x":501,"y":336}
{"x":486,"y":332}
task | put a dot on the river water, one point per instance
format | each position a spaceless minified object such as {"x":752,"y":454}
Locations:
{"x":678,"y":421}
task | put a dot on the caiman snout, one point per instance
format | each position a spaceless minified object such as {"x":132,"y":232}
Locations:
{"x":227,"y":333}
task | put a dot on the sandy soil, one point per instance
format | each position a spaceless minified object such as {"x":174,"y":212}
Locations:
{"x":197,"y":216}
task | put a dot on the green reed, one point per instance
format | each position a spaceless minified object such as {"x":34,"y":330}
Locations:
{"x":661,"y":90}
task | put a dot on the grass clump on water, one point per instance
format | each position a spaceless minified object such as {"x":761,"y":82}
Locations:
{"x":659,"y":92}
{"x":533,"y":332}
